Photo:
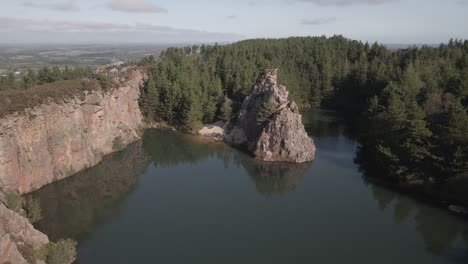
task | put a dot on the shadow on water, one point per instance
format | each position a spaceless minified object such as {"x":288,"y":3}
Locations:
{"x":73,"y":207}
{"x":439,"y":229}
{"x":325,"y":124}
{"x":443,"y":234}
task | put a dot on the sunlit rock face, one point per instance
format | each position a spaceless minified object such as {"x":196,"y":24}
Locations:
{"x":54,"y":140}
{"x":16,"y":233}
{"x":269,"y":124}
{"x":214,"y":131}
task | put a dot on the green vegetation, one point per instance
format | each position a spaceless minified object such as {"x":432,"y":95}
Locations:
{"x":44,"y":76}
{"x":103,"y":81}
{"x":225,"y":110}
{"x":14,"y":201}
{"x":23,"y":57}
{"x":19,"y":99}
{"x":33,"y":210}
{"x":60,"y":252}
{"x":28,"y":206}
{"x":267,"y":109}
{"x":410,"y":105}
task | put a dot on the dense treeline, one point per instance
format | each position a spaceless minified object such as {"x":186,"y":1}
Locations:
{"x":411,"y":104}
{"x":43,"y":76}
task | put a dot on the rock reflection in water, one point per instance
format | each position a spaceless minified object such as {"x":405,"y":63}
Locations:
{"x":74,"y":206}
{"x":167,"y":148}
{"x":276,"y":178}
{"x":198,"y":198}
{"x":271,"y":178}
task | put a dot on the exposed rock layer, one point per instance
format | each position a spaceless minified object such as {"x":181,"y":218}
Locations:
{"x":269,"y":125}
{"x":17,"y":232}
{"x":55,"y":140}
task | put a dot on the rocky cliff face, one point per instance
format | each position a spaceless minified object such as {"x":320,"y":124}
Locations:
{"x":54,"y":140}
{"x":16,"y":236}
{"x":269,"y":124}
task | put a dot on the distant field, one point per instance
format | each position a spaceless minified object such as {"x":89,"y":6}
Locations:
{"x":22,"y":57}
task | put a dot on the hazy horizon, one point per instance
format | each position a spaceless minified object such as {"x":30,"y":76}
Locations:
{"x":405,"y":22}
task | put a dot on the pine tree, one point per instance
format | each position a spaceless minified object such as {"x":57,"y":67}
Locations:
{"x":192,"y":113}
{"x":452,"y":142}
{"x":225,"y":109}
{"x":150,"y":101}
{"x":30,"y":79}
{"x":45,"y":75}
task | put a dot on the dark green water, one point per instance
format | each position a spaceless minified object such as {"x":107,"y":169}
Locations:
{"x":176,"y":198}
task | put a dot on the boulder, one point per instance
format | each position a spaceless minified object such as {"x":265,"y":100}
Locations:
{"x":214,"y":131}
{"x":269,"y":125}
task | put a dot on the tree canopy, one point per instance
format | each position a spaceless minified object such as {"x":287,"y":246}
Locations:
{"x":411,"y":104}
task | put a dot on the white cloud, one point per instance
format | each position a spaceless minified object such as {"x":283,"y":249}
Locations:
{"x":68,"y":6}
{"x":24,"y":30}
{"x":135,"y":6}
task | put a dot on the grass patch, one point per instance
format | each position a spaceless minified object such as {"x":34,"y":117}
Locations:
{"x":14,"y":201}
{"x":18,"y":100}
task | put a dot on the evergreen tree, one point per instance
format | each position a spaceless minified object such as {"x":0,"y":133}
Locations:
{"x":30,"y":79}
{"x":402,"y":99}
{"x":150,"y":98}
{"x":45,"y":75}
{"x":225,"y":109}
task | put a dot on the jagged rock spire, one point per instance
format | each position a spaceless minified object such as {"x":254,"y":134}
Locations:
{"x":269,"y":125}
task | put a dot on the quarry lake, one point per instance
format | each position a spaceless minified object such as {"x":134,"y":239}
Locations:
{"x":175,"y":198}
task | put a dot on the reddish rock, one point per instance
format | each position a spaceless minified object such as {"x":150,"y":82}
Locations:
{"x":269,"y":125}
{"x":55,"y":140}
{"x":15,"y":232}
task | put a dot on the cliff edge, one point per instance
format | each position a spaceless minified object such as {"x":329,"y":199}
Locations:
{"x":49,"y":139}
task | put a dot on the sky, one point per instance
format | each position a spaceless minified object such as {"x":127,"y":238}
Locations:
{"x":208,"y":21}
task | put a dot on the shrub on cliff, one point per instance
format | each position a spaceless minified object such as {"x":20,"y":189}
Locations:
{"x":14,"y":201}
{"x":103,"y":81}
{"x":29,"y":207}
{"x":266,"y":110}
{"x":60,"y":252}
{"x":33,"y":210}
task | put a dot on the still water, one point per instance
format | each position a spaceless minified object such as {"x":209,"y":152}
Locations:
{"x":175,"y":198}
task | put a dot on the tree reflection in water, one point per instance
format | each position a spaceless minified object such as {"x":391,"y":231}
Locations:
{"x":74,"y":207}
{"x":439,"y":230}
